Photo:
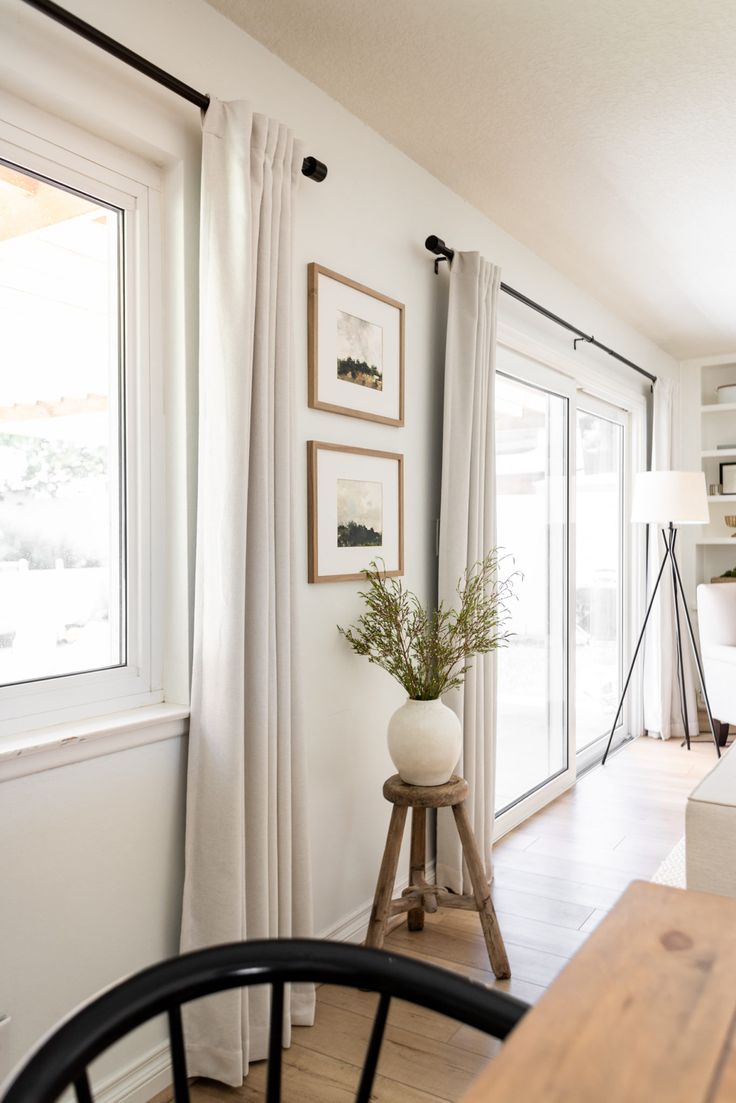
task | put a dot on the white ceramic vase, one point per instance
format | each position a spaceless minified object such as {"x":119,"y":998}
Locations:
{"x":424,"y":741}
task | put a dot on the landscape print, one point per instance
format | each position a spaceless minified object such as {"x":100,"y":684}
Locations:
{"x":359,"y":351}
{"x":359,"y":513}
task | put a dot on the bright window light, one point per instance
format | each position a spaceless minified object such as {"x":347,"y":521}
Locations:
{"x":62,"y":526}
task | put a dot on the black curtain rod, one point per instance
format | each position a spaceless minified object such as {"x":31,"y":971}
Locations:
{"x":311,"y":167}
{"x":443,"y":252}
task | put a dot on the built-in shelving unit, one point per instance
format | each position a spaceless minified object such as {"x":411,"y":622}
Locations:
{"x":714,"y":546}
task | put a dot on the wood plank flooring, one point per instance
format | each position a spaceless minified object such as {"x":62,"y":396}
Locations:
{"x":556,"y":876}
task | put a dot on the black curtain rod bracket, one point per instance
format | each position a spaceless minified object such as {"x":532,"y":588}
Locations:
{"x":443,"y":252}
{"x":311,"y":167}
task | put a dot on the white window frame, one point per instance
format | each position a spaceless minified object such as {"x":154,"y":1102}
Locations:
{"x":47,"y":152}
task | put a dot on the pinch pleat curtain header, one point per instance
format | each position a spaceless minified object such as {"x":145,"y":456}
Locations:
{"x":247,"y":865}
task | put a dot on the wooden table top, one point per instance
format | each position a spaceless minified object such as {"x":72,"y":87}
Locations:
{"x":644,"y":1013}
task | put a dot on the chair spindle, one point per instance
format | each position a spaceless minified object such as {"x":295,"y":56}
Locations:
{"x":178,"y":1056}
{"x":275,"y":1042}
{"x":82,"y":1088}
{"x":374,"y":1049}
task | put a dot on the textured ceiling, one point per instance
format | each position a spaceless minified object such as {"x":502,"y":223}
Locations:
{"x":601,"y":133}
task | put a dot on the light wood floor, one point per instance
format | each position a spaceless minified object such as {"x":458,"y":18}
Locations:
{"x":555,"y":877}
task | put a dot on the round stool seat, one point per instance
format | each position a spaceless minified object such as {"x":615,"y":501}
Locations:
{"x":400,"y":793}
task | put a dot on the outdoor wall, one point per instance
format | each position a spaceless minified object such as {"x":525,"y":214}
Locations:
{"x":367,"y":221}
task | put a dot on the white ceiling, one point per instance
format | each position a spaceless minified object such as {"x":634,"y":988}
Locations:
{"x":601,"y":133}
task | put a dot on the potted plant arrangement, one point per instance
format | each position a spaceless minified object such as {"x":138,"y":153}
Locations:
{"x":428,"y":652}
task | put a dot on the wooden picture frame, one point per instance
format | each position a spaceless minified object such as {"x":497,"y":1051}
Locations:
{"x":343,"y":315}
{"x":347,"y":512}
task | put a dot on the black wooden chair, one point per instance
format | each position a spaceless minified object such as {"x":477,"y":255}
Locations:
{"x":61,"y":1060}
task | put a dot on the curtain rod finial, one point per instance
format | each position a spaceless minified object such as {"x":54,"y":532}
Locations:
{"x":314,"y":169}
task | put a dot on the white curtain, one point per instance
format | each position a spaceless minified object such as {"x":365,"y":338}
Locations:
{"x":662,"y":708}
{"x":246,"y":861}
{"x":468,"y":532}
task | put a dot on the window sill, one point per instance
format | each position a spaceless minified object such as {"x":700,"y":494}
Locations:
{"x":63,"y":744}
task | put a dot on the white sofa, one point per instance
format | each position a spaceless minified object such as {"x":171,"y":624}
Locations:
{"x":710,"y":830}
{"x":710,"y":819}
{"x":717,"y":624}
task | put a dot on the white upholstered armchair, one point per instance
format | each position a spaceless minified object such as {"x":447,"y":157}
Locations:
{"x":717,"y":623}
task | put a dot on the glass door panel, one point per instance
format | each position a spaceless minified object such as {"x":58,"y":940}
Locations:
{"x":599,"y":537}
{"x":532,"y":511}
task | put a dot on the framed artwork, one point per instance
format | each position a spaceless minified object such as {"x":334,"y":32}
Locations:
{"x":728,"y":478}
{"x":356,"y":349}
{"x":356,"y":511}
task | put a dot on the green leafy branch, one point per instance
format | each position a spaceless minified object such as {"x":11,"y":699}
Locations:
{"x":427,"y":651}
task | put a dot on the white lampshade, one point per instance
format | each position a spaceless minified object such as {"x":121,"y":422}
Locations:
{"x":679,"y":497}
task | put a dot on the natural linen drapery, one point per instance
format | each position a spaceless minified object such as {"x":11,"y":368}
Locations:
{"x":468,"y":532}
{"x":662,"y":709}
{"x":246,"y":861}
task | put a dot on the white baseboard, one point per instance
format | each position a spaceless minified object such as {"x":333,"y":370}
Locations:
{"x":353,"y":927}
{"x":140,"y":1081}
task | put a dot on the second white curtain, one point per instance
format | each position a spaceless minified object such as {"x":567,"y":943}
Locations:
{"x":468,"y":532}
{"x":247,"y":873}
{"x":662,"y":708}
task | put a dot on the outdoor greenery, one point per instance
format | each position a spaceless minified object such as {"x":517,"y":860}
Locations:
{"x":36,"y":521}
{"x":427,"y":651}
{"x":356,"y":535}
{"x":49,"y":465}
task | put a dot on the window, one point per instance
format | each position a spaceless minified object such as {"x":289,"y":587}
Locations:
{"x":62,"y":496}
{"x":78,"y":608}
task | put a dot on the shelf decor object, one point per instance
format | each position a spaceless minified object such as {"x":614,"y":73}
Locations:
{"x":356,"y":349}
{"x":730,"y":520}
{"x":727,"y":478}
{"x":670,"y":499}
{"x":356,"y":511}
{"x":726,"y":393}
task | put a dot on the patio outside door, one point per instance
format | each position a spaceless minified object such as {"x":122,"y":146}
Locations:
{"x":535,"y":753}
{"x":600,"y":535}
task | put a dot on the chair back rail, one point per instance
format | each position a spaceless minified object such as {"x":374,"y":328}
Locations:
{"x":62,"y":1059}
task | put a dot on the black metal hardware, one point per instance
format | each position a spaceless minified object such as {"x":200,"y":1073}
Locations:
{"x":311,"y":167}
{"x":63,"y":1058}
{"x":669,"y":535}
{"x":374,"y":1049}
{"x":82,"y":1088}
{"x":437,"y":246}
{"x":178,"y":1055}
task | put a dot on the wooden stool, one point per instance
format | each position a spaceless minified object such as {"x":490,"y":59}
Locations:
{"x":419,"y":896}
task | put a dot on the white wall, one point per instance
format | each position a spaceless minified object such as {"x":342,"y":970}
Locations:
{"x":368,"y":221}
{"x":90,"y":880}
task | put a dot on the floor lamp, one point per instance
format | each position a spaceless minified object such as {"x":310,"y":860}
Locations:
{"x":670,"y":499}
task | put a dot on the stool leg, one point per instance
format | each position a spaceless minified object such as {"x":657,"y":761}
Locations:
{"x":491,"y":931}
{"x":415,"y":918}
{"x":386,"y":878}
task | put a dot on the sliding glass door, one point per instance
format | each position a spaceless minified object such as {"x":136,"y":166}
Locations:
{"x":599,"y":568}
{"x":561,"y":487}
{"x":533,"y":412}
